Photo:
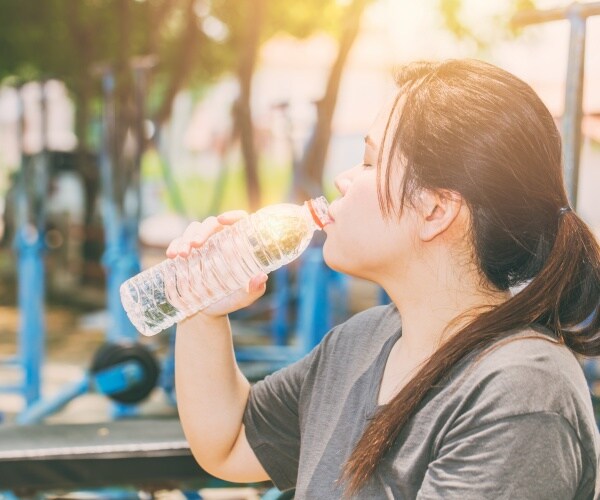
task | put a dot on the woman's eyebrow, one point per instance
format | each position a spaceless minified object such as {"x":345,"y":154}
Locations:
{"x":370,"y":141}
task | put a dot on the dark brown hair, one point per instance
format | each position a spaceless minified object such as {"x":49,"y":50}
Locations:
{"x":472,"y":128}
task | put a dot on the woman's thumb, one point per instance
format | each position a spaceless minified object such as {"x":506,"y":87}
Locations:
{"x":258,"y":284}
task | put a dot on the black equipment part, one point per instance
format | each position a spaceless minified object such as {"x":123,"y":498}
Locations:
{"x":153,"y":454}
{"x":111,"y":354}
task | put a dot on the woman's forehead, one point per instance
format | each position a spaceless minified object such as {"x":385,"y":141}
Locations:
{"x":389,"y":114}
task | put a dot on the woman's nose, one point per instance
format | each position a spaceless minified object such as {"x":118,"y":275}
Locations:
{"x":342,"y":184}
{"x":344,"y":180}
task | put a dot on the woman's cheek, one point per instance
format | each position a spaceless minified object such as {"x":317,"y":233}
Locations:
{"x":334,"y":252}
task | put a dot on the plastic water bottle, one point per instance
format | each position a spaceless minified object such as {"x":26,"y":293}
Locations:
{"x":264,"y":241}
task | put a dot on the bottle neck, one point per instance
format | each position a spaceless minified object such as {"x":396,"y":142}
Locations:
{"x":318,"y":209}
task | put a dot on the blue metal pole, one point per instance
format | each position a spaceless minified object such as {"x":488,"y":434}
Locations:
{"x":41,"y":409}
{"x":31,"y":310}
{"x":167,"y":373}
{"x":573,"y":113}
{"x":121,"y":263}
{"x":30,"y":200}
{"x":313,"y":304}
{"x":120,"y":257}
{"x":281,"y":322}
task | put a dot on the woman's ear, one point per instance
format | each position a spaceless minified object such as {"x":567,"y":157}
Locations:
{"x":438,"y":210}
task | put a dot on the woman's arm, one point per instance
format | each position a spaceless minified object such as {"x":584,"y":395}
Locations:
{"x":211,"y":390}
{"x":211,"y":397}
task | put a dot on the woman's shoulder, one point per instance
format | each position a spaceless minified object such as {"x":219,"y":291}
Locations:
{"x":527,"y":373}
{"x":531,"y":360}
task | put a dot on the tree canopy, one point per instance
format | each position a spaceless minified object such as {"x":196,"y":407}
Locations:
{"x":194,"y":43}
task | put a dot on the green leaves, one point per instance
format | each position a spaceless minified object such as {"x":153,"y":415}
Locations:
{"x":482,"y":23}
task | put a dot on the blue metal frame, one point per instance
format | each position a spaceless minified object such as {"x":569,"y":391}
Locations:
{"x":322,"y":302}
{"x":120,"y":258}
{"x":30,"y":249}
{"x":121,"y":261}
{"x":31,"y":285}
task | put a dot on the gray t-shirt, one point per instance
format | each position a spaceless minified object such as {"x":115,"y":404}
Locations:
{"x":515,"y":423}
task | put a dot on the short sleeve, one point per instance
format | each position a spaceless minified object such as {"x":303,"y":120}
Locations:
{"x":531,"y":456}
{"x":271,"y":420}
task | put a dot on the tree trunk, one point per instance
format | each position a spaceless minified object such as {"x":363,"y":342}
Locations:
{"x":189,"y":47}
{"x":310,"y":178}
{"x":242,"y":111}
{"x":83,"y":93}
{"x":83,"y":85}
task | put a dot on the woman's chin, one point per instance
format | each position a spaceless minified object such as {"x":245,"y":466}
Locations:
{"x":336,"y":264}
{"x":329,"y":258}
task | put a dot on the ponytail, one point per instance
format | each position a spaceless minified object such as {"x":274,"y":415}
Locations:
{"x":575,"y":314}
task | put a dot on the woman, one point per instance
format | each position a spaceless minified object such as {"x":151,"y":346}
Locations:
{"x":459,"y":388}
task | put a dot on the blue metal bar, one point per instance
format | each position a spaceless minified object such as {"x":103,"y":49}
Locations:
{"x":383,"y":298}
{"x":10,"y":360}
{"x":313,"y":305}
{"x":167,"y":372}
{"x":118,"y":378}
{"x":30,"y":249}
{"x":280,"y":325}
{"x":31,"y":311}
{"x":121,"y":263}
{"x":109,"y":213}
{"x":7,"y":495}
{"x":534,"y":16}
{"x":41,"y":409}
{"x":269,"y":354}
{"x":9,"y":389}
{"x":120,"y":257}
{"x":573,"y":113}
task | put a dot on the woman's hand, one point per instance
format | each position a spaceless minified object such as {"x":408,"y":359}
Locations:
{"x":195,"y":236}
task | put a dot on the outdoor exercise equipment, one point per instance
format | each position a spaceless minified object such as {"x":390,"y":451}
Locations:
{"x":120,"y":221}
{"x":577,"y":15}
{"x":123,"y":370}
{"x":30,"y":195}
{"x":149,"y":455}
{"x":135,"y":362}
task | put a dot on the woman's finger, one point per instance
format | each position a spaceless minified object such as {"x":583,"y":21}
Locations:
{"x":197,"y":234}
{"x":232,"y":216}
{"x":172,"y":248}
{"x":257,"y":283}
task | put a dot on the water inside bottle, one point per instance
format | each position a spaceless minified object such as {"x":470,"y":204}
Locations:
{"x":281,"y":233}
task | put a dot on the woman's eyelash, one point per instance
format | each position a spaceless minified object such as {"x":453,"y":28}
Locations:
{"x":367,"y":165}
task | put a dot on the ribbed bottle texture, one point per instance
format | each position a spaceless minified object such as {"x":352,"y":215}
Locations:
{"x":264,"y":241}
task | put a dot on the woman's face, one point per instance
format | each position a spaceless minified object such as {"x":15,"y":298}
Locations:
{"x":360,"y":241}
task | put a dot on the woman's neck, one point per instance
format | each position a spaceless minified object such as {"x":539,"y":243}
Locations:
{"x":435,"y":303}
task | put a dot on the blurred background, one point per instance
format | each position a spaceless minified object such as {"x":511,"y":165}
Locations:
{"x":123,"y":120}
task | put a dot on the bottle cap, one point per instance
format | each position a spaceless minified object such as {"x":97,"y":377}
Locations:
{"x":319,"y":209}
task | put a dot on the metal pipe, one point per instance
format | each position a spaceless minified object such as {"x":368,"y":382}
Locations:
{"x":532,"y":16}
{"x":573,"y":112}
{"x":577,"y":14}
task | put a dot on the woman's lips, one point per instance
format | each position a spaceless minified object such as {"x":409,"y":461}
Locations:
{"x":330,"y":211}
